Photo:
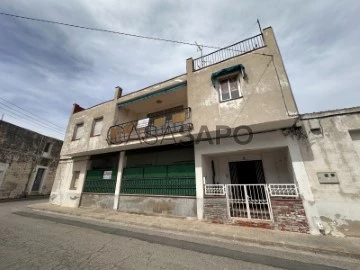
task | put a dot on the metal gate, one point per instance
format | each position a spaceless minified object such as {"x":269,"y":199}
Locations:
{"x":248,"y":201}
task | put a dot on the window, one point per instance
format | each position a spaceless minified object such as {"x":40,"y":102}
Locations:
{"x":75,"y":180}
{"x":229,"y":88}
{"x":97,"y":126}
{"x":47,"y":147}
{"x":79,"y":131}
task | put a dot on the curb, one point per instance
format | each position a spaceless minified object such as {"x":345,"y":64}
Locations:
{"x":213,"y":235}
{"x":30,"y":198}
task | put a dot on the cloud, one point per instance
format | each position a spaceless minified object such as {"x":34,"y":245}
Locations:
{"x":46,"y":68}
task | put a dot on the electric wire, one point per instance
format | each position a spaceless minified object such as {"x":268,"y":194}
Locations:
{"x":40,"y":118}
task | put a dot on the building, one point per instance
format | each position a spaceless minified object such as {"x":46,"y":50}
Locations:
{"x":331,"y":154}
{"x":220,"y":143}
{"x":28,"y":162}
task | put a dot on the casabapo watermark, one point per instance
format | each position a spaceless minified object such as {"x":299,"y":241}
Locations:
{"x":241,"y":135}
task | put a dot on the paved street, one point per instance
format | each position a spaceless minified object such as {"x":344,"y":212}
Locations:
{"x":32,"y":241}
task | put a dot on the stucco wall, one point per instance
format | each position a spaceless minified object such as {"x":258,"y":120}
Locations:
{"x":275,"y":165}
{"x":91,"y":200}
{"x":334,"y":151}
{"x":106,"y":110}
{"x":156,"y":205}
{"x":21,"y":154}
{"x":61,"y":193}
{"x":266,"y":92}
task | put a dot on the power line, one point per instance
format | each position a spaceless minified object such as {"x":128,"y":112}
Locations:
{"x":108,"y":31}
{"x":32,"y":119}
{"x":42,"y":119}
{"x":18,"y":116}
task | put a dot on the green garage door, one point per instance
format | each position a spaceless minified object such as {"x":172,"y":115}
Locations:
{"x":176,"y":179}
{"x":100,"y":181}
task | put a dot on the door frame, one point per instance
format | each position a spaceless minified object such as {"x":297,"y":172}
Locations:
{"x":248,"y":159}
{"x":33,"y":179}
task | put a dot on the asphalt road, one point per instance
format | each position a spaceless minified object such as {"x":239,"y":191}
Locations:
{"x":35,"y":241}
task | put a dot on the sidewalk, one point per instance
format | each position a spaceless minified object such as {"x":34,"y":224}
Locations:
{"x":346,"y":247}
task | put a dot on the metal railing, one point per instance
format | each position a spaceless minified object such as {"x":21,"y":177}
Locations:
{"x":249,"y":201}
{"x":283,"y":190}
{"x":152,"y":127}
{"x":215,"y":189}
{"x":242,"y":47}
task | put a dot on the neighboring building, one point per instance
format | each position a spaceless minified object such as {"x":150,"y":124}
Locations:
{"x":331,"y":154}
{"x":28,"y":162}
{"x":219,"y":143}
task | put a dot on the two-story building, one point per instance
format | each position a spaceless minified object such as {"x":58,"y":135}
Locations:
{"x":220,"y":143}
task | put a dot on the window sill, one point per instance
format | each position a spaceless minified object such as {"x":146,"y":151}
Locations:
{"x":223,"y":101}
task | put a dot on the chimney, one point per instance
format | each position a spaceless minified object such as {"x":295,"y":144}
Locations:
{"x":118,"y":92}
{"x":77,"y":108}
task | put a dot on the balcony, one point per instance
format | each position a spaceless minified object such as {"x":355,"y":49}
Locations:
{"x":156,"y":125}
{"x":242,"y":47}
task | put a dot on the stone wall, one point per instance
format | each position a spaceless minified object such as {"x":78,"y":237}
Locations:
{"x":288,"y":213}
{"x":21,"y":154}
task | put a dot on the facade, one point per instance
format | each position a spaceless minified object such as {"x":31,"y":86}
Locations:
{"x":28,"y":162}
{"x":331,"y":154}
{"x":221,"y":143}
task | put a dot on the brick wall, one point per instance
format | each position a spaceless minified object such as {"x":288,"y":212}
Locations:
{"x":215,"y":209}
{"x":288,"y":213}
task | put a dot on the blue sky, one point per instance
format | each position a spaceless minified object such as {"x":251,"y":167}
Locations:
{"x":44,"y":69}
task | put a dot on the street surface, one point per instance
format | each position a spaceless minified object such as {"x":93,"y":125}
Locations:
{"x":30,"y":240}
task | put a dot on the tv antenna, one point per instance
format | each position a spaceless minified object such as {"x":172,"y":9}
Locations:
{"x":200,"y":49}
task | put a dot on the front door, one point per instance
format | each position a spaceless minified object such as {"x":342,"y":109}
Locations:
{"x":247,"y":194}
{"x":247,"y":172}
{"x":38,"y":178}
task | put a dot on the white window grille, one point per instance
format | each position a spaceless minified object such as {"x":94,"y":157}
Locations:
{"x":283,"y":190}
{"x":215,"y":189}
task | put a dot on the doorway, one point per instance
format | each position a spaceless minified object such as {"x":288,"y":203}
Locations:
{"x":247,"y":172}
{"x":38,"y":179}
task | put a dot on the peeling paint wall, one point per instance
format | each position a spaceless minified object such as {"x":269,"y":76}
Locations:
{"x":334,"y":150}
{"x":21,"y":152}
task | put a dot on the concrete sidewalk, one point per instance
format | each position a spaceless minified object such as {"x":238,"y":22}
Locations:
{"x":346,"y":247}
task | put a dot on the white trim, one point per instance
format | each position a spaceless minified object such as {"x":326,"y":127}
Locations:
{"x":227,"y":78}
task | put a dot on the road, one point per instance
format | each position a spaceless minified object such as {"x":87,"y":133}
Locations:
{"x":33,"y":241}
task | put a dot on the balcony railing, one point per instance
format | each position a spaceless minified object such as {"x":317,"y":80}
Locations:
{"x":159,"y":125}
{"x":236,"y":49}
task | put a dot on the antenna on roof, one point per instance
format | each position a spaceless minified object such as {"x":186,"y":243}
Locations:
{"x":200,"y":49}
{"x":258,"y":22}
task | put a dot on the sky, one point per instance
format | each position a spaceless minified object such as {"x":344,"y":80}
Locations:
{"x":46,"y":68}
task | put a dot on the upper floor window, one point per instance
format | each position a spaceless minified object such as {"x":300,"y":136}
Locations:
{"x":79,"y":131}
{"x":229,"y":88}
{"x":97,"y":126}
{"x":47,"y":147}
